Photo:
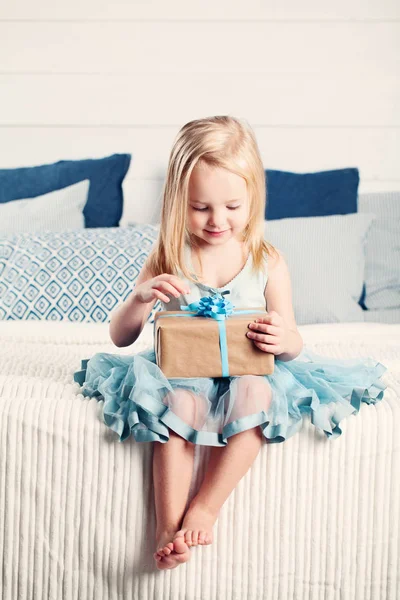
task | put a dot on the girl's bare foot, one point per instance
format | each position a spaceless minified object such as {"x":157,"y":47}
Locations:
{"x":196,"y":526}
{"x":170,"y":554}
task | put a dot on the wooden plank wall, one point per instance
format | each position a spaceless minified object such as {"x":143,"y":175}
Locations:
{"x":318,"y":82}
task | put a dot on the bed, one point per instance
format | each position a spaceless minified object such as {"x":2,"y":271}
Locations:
{"x":77,"y":510}
{"x":313,"y":518}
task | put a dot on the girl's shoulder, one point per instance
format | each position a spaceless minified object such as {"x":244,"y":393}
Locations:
{"x":266,"y":260}
{"x":273,"y":257}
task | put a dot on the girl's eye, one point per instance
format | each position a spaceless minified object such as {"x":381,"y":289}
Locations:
{"x":229,"y":207}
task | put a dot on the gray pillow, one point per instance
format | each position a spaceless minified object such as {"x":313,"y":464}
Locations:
{"x":385,"y":315}
{"x":382,"y":267}
{"x":326,"y":259}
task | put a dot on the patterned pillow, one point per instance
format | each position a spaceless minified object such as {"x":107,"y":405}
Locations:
{"x":78,"y":275}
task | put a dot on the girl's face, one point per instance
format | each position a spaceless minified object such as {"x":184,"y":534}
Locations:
{"x":218,"y":202}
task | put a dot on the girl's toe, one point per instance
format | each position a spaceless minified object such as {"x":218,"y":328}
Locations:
{"x":195,"y":538}
{"x":202,"y":537}
{"x":188,"y":537}
{"x":167,"y":549}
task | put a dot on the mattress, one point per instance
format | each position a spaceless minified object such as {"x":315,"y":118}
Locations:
{"x":312,"y":518}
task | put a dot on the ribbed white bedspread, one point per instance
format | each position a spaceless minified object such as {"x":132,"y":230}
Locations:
{"x":312,"y":519}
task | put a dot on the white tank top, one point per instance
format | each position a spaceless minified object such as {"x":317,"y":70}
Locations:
{"x":246,"y":289}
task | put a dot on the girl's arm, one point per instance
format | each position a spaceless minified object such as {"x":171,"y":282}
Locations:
{"x":277,"y":333}
{"x":278,"y":295}
{"x":129,"y":319}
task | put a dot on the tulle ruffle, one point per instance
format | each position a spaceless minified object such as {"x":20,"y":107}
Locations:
{"x":140,"y":401}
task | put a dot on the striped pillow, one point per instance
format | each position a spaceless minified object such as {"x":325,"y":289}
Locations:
{"x":59,"y":210}
{"x":382,"y":268}
{"x":326,"y":260}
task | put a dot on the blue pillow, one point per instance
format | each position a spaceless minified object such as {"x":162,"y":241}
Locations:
{"x":311,"y":194}
{"x":105,"y":200}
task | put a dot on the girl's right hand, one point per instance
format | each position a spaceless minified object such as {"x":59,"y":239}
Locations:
{"x":157,"y":287}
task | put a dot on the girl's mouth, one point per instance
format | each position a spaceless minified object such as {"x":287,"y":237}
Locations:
{"x":216,"y":233}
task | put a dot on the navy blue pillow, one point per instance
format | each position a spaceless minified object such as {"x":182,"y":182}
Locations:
{"x":311,"y":194}
{"x":105,"y":200}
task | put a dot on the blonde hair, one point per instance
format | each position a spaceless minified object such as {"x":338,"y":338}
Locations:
{"x":223,"y":142}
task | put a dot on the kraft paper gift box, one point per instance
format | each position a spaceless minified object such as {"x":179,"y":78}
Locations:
{"x":189,"y":346}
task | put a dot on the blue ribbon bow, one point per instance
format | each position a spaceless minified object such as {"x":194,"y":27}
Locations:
{"x":215,"y":306}
{"x":218,"y":308}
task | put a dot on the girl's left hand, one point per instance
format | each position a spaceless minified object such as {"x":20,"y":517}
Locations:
{"x":269,"y":333}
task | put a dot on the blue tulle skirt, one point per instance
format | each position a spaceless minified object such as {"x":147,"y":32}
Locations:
{"x":140,"y":400}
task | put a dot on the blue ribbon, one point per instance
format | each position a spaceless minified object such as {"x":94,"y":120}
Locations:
{"x":218,"y":308}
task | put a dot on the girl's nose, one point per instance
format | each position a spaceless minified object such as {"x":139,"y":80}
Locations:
{"x":217,"y":225}
{"x":216,"y":220}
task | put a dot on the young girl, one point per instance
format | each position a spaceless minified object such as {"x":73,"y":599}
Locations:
{"x":211,"y":240}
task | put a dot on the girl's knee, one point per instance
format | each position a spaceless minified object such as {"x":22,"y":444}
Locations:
{"x":255,"y":390}
{"x":189,"y":407}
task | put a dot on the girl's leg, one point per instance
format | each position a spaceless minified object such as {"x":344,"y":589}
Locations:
{"x":172,"y":475}
{"x":227,"y":465}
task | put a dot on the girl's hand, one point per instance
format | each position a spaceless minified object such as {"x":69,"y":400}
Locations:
{"x":157,"y":288}
{"x":269,"y":333}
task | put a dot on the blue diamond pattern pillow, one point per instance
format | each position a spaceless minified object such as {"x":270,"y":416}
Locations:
{"x":76,"y":275}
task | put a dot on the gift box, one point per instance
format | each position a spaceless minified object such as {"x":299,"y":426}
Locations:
{"x":208,"y":339}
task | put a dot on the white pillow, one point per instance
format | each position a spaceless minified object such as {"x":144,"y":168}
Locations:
{"x":326,"y":259}
{"x":59,"y":210}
